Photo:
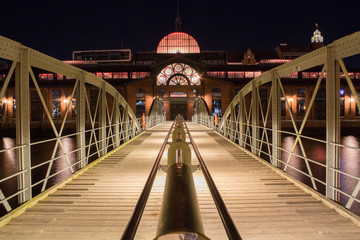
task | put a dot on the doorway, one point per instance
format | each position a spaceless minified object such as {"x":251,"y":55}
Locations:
{"x":178,"y":108}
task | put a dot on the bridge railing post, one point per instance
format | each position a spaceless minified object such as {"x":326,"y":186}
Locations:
{"x":276,"y":121}
{"x":255,"y":120}
{"x":102,"y":120}
{"x":242,"y":121}
{"x":116,"y":122}
{"x":126,"y":131}
{"x":80,"y":120}
{"x":232,"y":124}
{"x":212,"y":122}
{"x":332,"y":124}
{"x":22,"y":96}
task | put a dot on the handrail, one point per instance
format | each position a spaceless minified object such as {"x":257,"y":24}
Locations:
{"x":134,"y":222}
{"x":226,"y":219}
{"x":180,"y":211}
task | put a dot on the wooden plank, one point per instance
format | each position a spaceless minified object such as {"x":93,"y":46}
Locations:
{"x":98,"y":204}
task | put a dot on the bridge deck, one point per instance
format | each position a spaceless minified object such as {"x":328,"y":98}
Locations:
{"x":99,"y":203}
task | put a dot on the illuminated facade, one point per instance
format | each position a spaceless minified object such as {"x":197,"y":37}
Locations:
{"x":178,"y":73}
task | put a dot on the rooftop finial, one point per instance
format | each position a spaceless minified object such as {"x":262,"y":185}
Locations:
{"x":178,"y":20}
{"x":317,"y":38}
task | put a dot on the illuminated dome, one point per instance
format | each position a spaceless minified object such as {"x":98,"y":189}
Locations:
{"x":178,"y":42}
{"x":178,"y":74}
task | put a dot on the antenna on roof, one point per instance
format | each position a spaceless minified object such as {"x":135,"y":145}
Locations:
{"x":178,"y":20}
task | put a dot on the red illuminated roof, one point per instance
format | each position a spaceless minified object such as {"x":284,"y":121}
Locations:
{"x":276,"y":61}
{"x":79,"y":62}
{"x":178,"y":42}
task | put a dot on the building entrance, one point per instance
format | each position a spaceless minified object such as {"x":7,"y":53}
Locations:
{"x":178,"y":108}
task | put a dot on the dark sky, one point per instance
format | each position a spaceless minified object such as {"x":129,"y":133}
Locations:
{"x":59,"y":27}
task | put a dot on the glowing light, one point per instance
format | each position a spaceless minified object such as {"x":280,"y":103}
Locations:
{"x":4,"y":100}
{"x":178,"y":74}
{"x":65,"y":100}
{"x":291,"y":99}
{"x":342,"y":91}
{"x":352,"y":99}
{"x":79,"y":62}
{"x":178,"y":42}
{"x":274,"y":61}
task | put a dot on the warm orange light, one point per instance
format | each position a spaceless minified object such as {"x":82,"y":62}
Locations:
{"x":178,"y":42}
{"x":352,"y":99}
{"x":65,"y":100}
{"x":4,"y":100}
{"x":290,"y":100}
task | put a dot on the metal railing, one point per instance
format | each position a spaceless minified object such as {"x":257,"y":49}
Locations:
{"x":165,"y":229}
{"x":101,"y":120}
{"x":256,"y":124}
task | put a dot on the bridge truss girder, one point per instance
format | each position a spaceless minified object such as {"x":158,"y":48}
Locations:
{"x":111,"y":122}
{"x":245,"y":115}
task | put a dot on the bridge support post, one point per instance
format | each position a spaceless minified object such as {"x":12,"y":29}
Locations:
{"x":255,"y":120}
{"x":241,"y":119}
{"x":22,"y":95}
{"x":125,"y":124}
{"x":232,"y":124}
{"x":116,"y":122}
{"x":332,"y":124}
{"x":102,"y":121}
{"x":80,"y":120}
{"x":276,"y":121}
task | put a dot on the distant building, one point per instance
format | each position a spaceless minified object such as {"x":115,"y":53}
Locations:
{"x":178,"y":72}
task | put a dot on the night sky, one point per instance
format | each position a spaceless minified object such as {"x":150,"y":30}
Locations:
{"x":59,"y":27}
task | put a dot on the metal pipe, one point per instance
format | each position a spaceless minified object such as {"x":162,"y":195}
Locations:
{"x":180,"y":216}
{"x":180,"y":213}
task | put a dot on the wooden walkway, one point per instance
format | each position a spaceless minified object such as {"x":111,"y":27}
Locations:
{"x":99,"y":203}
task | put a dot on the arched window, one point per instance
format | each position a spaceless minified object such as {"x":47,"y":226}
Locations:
{"x":178,"y":74}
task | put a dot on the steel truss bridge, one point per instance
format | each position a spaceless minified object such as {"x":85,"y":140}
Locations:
{"x":101,"y":178}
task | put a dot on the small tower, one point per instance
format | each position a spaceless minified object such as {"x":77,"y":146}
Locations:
{"x":178,"y":20}
{"x":317,"y":40}
{"x":249,"y":58}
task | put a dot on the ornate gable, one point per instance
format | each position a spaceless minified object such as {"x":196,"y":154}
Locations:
{"x":249,"y":58}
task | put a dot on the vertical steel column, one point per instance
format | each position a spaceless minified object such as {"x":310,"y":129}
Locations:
{"x":22,"y":95}
{"x":255,"y":119}
{"x":242,"y":122}
{"x":126,"y":121}
{"x":232,"y":123}
{"x":102,"y":121}
{"x":276,"y":120}
{"x":80,"y":121}
{"x":332,"y":124}
{"x":116,"y":121}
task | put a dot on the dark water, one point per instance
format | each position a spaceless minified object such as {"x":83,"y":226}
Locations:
{"x":349,"y":163}
{"x":39,"y":154}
